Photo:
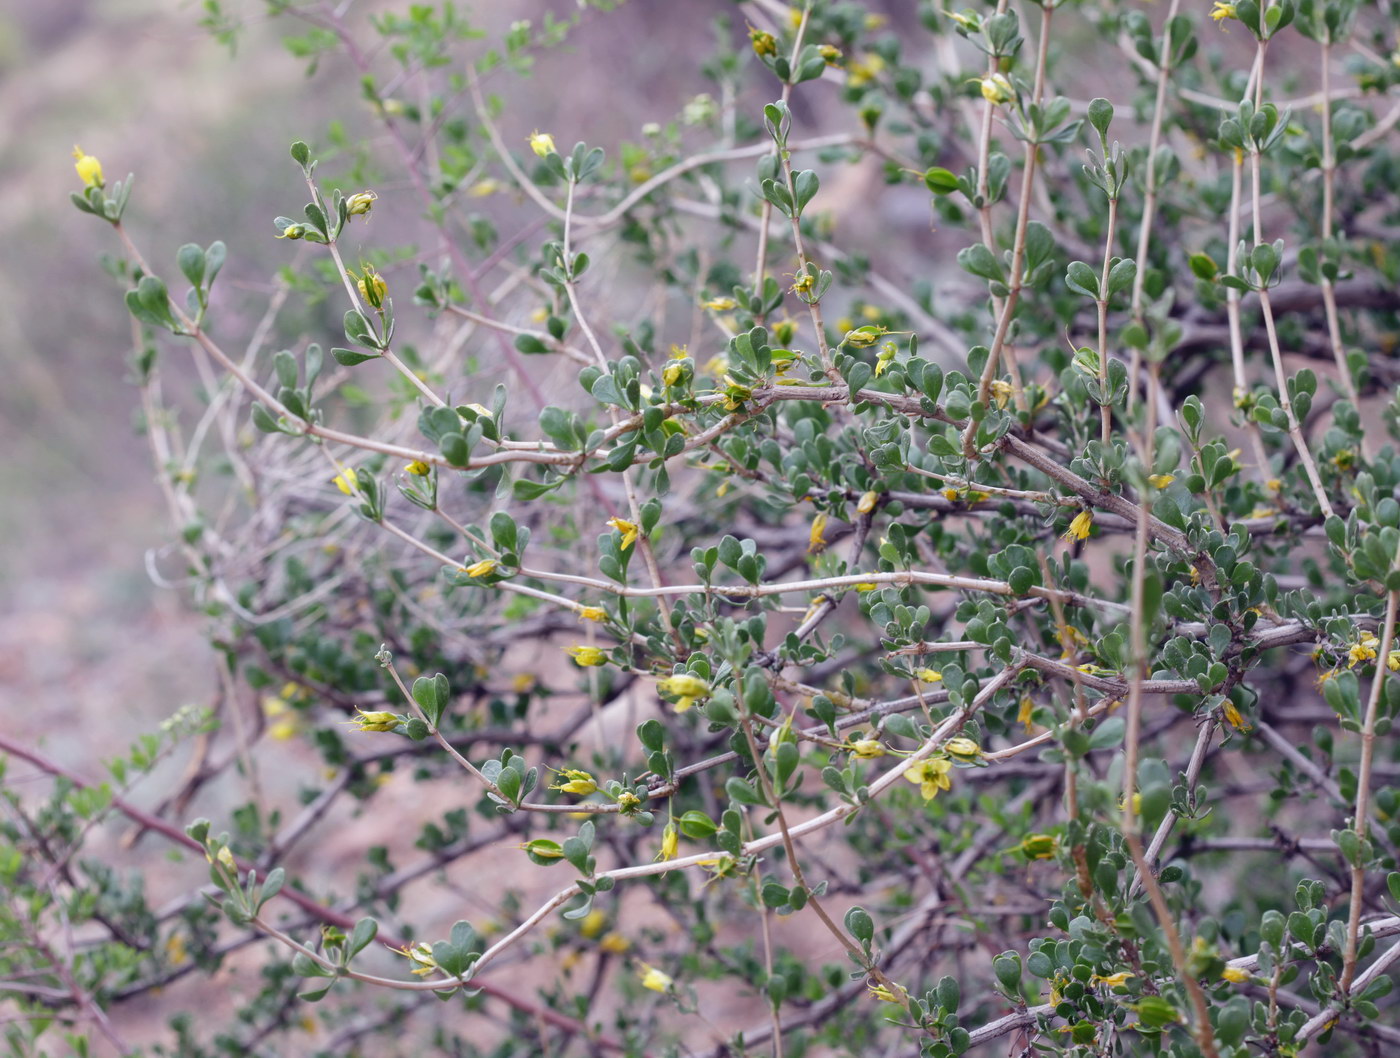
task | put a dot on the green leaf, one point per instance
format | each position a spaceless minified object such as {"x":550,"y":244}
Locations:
{"x":1082,"y":279}
{"x":860,"y":925}
{"x":1100,"y":115}
{"x":1203,"y":266}
{"x":190,"y":258}
{"x":350,"y":357}
{"x":805,"y":185}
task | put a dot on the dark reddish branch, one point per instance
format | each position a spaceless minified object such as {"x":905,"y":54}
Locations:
{"x":320,"y":911}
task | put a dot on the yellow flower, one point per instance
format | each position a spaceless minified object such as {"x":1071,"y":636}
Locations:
{"x":816,"y":541}
{"x":1023,"y":715}
{"x":684,"y":685}
{"x":868,"y":501}
{"x":614,"y":943}
{"x":1235,"y":974}
{"x":802,"y":283}
{"x":1364,"y":650}
{"x":1122,"y":977}
{"x":670,"y":842}
{"x":866,"y":586}
{"x":864,"y":70}
{"x":996,"y":89}
{"x":1160,"y":481}
{"x":1001,"y":391}
{"x":627,"y":529}
{"x":284,"y":730}
{"x":374,"y":720}
{"x":1223,"y":10}
{"x":863,"y":337}
{"x":593,"y":923}
{"x":831,"y":54}
{"x":578,"y":783}
{"x":1344,"y":459}
{"x":226,"y":860}
{"x":720,"y":304}
{"x":346,"y":482}
{"x":962,"y":748}
{"x":930,"y":776}
{"x":293,"y":231}
{"x":592,"y":613}
{"x":1079,"y":528}
{"x":421,"y":956}
{"x":671,"y":373}
{"x":484,"y":568}
{"x":360,"y":203}
{"x":418,"y":468}
{"x":588,"y":656}
{"x":885,"y":995}
{"x":655,"y":980}
{"x":542,"y":143}
{"x":175,"y":949}
{"x":521,"y":682}
{"x":1233,"y":717}
{"x":483,"y":188}
{"x":867,"y":748}
{"x":1392,"y":661}
{"x":929,"y":676}
{"x":89,"y":168}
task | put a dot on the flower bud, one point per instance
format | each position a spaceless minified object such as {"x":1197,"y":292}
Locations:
{"x":374,"y":720}
{"x":764,"y":43}
{"x":996,"y":89}
{"x":1038,"y":846}
{"x":359,"y":204}
{"x":588,"y":656}
{"x":962,"y":749}
{"x":578,"y":783}
{"x":89,"y":168}
{"x":372,"y":287}
{"x":542,"y":143}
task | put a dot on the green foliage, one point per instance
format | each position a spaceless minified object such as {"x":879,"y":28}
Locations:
{"x":972,"y":605}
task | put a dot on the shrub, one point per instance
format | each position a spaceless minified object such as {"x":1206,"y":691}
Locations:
{"x":753,"y":631}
